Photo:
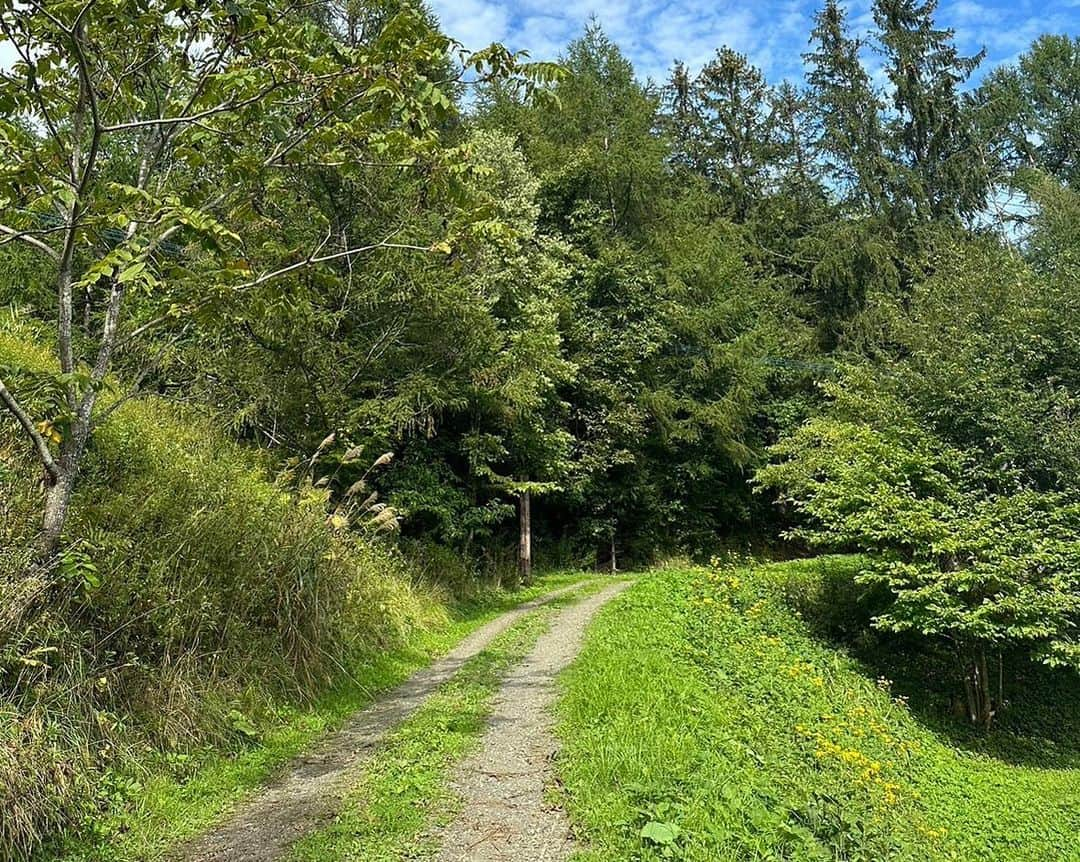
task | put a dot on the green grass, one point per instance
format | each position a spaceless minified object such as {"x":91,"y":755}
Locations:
{"x":157,"y":801}
{"x":735,"y":734}
{"x":1040,"y":722}
{"x":402,"y":793}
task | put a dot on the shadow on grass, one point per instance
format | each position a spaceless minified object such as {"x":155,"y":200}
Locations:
{"x":1038,"y":724}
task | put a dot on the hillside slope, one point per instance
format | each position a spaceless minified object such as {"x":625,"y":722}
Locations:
{"x":200,"y":607}
{"x":734,"y":734}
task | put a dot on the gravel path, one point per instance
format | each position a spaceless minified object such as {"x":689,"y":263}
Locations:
{"x":504,"y":816}
{"x":310,"y":790}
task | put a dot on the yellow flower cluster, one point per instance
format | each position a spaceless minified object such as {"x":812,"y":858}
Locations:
{"x":717,"y":590}
{"x":864,"y":723}
{"x":837,"y":741}
{"x":891,"y":793}
{"x":931,"y":833}
{"x":867,"y":771}
{"x":730,"y":581}
{"x":800,"y":668}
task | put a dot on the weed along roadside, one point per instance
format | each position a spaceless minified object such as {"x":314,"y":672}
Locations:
{"x":309,"y":792}
{"x":162,"y":812}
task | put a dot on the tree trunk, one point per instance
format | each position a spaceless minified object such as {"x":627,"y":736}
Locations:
{"x":605,"y":552}
{"x":525,"y":541}
{"x":57,"y":502}
{"x":986,"y":704}
{"x":978,"y":687}
{"x":58,"y":497}
{"x":88,"y":308}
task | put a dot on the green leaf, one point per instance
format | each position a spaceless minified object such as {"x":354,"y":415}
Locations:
{"x":132,"y":272}
{"x":660,"y":833}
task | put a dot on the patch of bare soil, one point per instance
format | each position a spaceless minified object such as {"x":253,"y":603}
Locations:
{"x":504,"y":816}
{"x":310,"y":790}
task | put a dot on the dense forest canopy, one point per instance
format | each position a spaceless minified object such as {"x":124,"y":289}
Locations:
{"x":514,"y":276}
{"x":434,"y":286}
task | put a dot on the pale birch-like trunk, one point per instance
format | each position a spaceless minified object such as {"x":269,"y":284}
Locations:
{"x":525,"y":538}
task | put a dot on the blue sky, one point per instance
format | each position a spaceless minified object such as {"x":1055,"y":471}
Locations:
{"x":772,"y":32}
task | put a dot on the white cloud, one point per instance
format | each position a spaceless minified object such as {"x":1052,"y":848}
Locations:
{"x":475,"y":23}
{"x":773,"y":33}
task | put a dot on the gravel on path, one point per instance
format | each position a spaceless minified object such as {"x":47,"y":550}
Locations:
{"x":310,"y":790}
{"x":504,"y":815}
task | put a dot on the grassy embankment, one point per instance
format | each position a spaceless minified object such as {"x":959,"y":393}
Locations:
{"x":205,"y":624}
{"x":734,"y":733}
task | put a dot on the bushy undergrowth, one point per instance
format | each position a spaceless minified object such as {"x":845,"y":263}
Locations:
{"x":192,"y":595}
{"x":738,"y":734}
{"x":1037,"y":716}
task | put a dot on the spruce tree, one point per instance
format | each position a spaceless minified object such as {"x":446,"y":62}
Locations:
{"x":850,"y":142}
{"x":739,"y":129}
{"x":681,"y":120}
{"x":942,"y":174}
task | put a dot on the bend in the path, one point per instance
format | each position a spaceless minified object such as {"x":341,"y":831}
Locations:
{"x":310,"y":790}
{"x":502,"y":785}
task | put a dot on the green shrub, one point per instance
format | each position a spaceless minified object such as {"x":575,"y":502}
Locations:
{"x":827,"y":593}
{"x":984,"y":567}
{"x":194,"y":594}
